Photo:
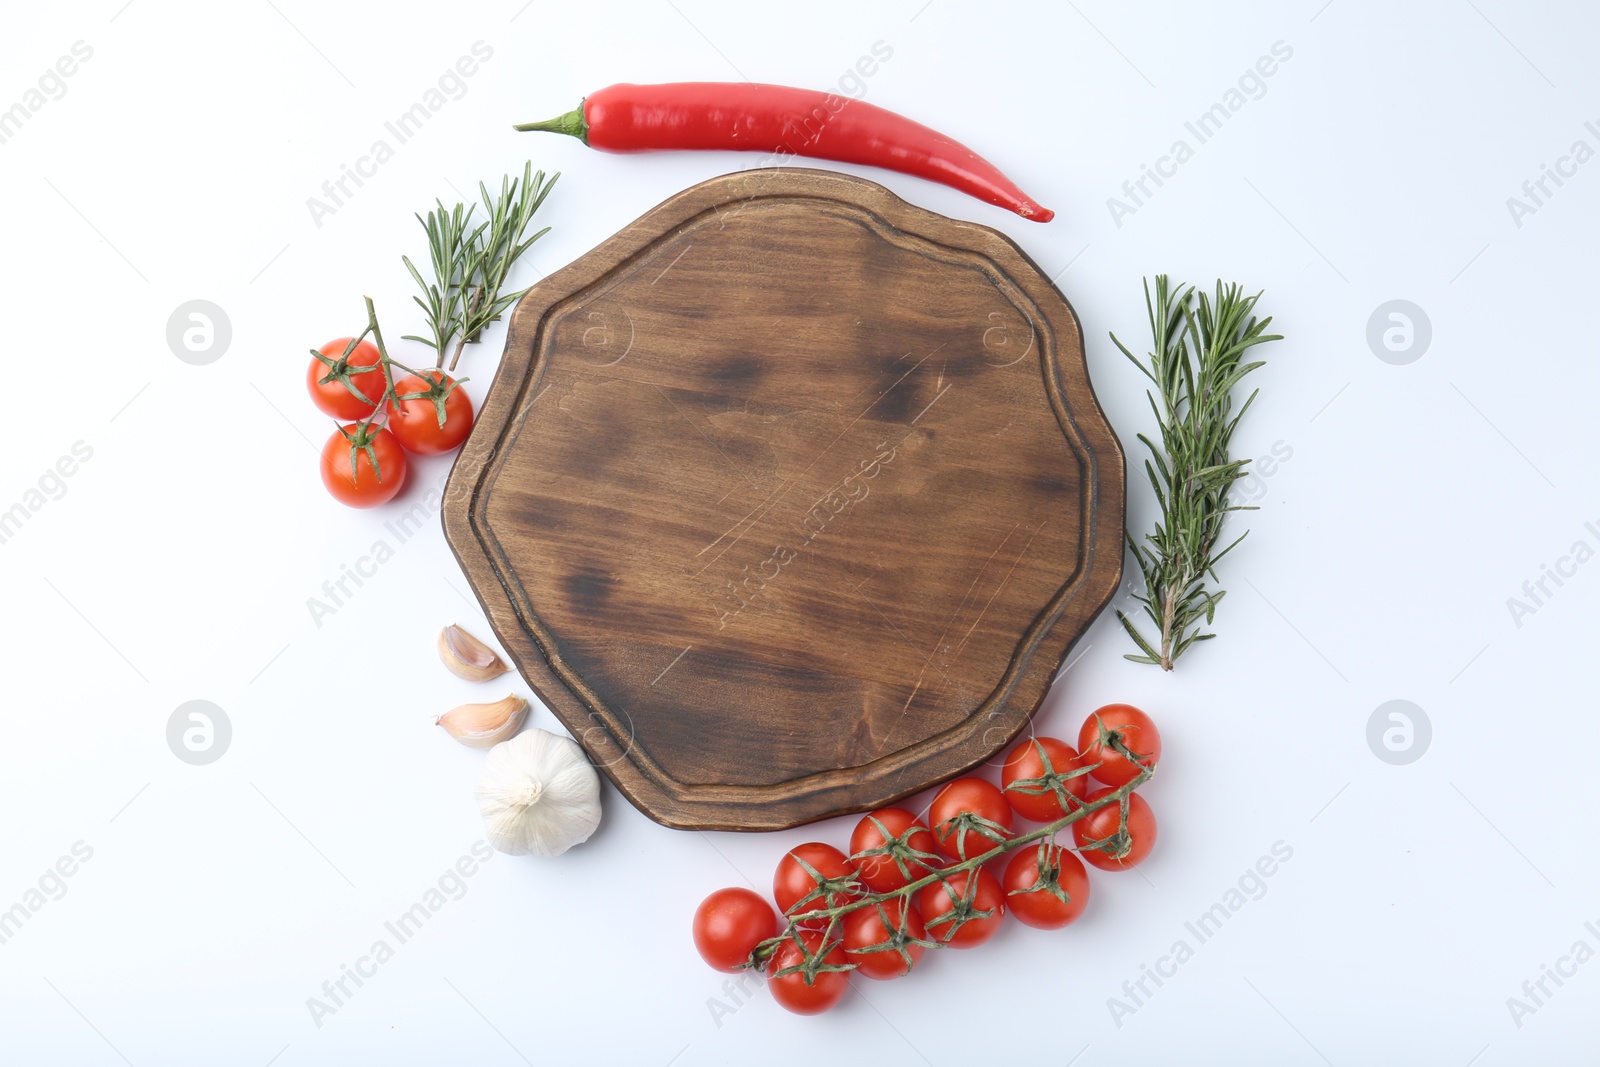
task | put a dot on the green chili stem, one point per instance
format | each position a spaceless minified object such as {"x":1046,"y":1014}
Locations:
{"x":572,"y":124}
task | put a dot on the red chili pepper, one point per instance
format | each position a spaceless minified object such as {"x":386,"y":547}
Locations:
{"x":775,"y":118}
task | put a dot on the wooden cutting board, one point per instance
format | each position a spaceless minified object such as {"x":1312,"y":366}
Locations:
{"x":790,"y":499}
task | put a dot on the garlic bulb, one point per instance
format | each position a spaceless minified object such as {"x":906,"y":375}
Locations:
{"x":539,"y":794}
{"x":482,"y":725}
{"x":467,"y":657}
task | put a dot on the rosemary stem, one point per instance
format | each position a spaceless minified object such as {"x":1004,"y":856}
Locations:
{"x":1169,"y":612}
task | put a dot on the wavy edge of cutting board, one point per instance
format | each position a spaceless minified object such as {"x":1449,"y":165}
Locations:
{"x":1043,"y":648}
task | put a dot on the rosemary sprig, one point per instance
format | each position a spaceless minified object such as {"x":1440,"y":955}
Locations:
{"x":1197,"y":359}
{"x":450,"y":254}
{"x":471,"y":263}
{"x":494,"y":254}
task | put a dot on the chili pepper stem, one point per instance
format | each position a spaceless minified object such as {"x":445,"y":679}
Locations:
{"x":572,"y":124}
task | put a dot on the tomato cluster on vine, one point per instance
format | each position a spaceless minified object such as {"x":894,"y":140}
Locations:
{"x":909,"y":885}
{"x":425,"y":413}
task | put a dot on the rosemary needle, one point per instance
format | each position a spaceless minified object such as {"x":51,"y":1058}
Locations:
{"x":1199,"y":344}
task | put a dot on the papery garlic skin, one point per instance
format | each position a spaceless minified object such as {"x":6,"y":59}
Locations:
{"x":539,"y":794}
{"x":485,"y":725}
{"x":467,"y":657}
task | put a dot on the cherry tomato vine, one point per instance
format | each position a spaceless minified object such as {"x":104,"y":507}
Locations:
{"x":376,"y":451}
{"x":907,"y":887}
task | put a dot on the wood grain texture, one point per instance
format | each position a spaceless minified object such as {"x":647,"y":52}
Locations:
{"x":790,"y":499}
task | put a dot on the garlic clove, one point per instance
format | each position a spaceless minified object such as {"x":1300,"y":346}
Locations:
{"x":485,"y":725}
{"x":539,"y":794}
{"x":467,"y":657}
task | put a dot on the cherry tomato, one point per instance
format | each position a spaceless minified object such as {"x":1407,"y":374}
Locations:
{"x":792,"y":883}
{"x":969,"y":816}
{"x":866,"y":927}
{"x":436,"y":421}
{"x":792,"y":991}
{"x":364,"y":486}
{"x":881,"y":873}
{"x":1033,"y":867}
{"x":1122,"y":849}
{"x":975,"y":908}
{"x":729,"y":924}
{"x":1038,"y":779}
{"x":1112,"y":728}
{"x":333,"y":397}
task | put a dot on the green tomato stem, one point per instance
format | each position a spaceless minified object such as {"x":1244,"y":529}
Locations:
{"x":389,"y":392}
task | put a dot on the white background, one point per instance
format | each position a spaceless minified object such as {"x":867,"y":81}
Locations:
{"x":1376,"y":166}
